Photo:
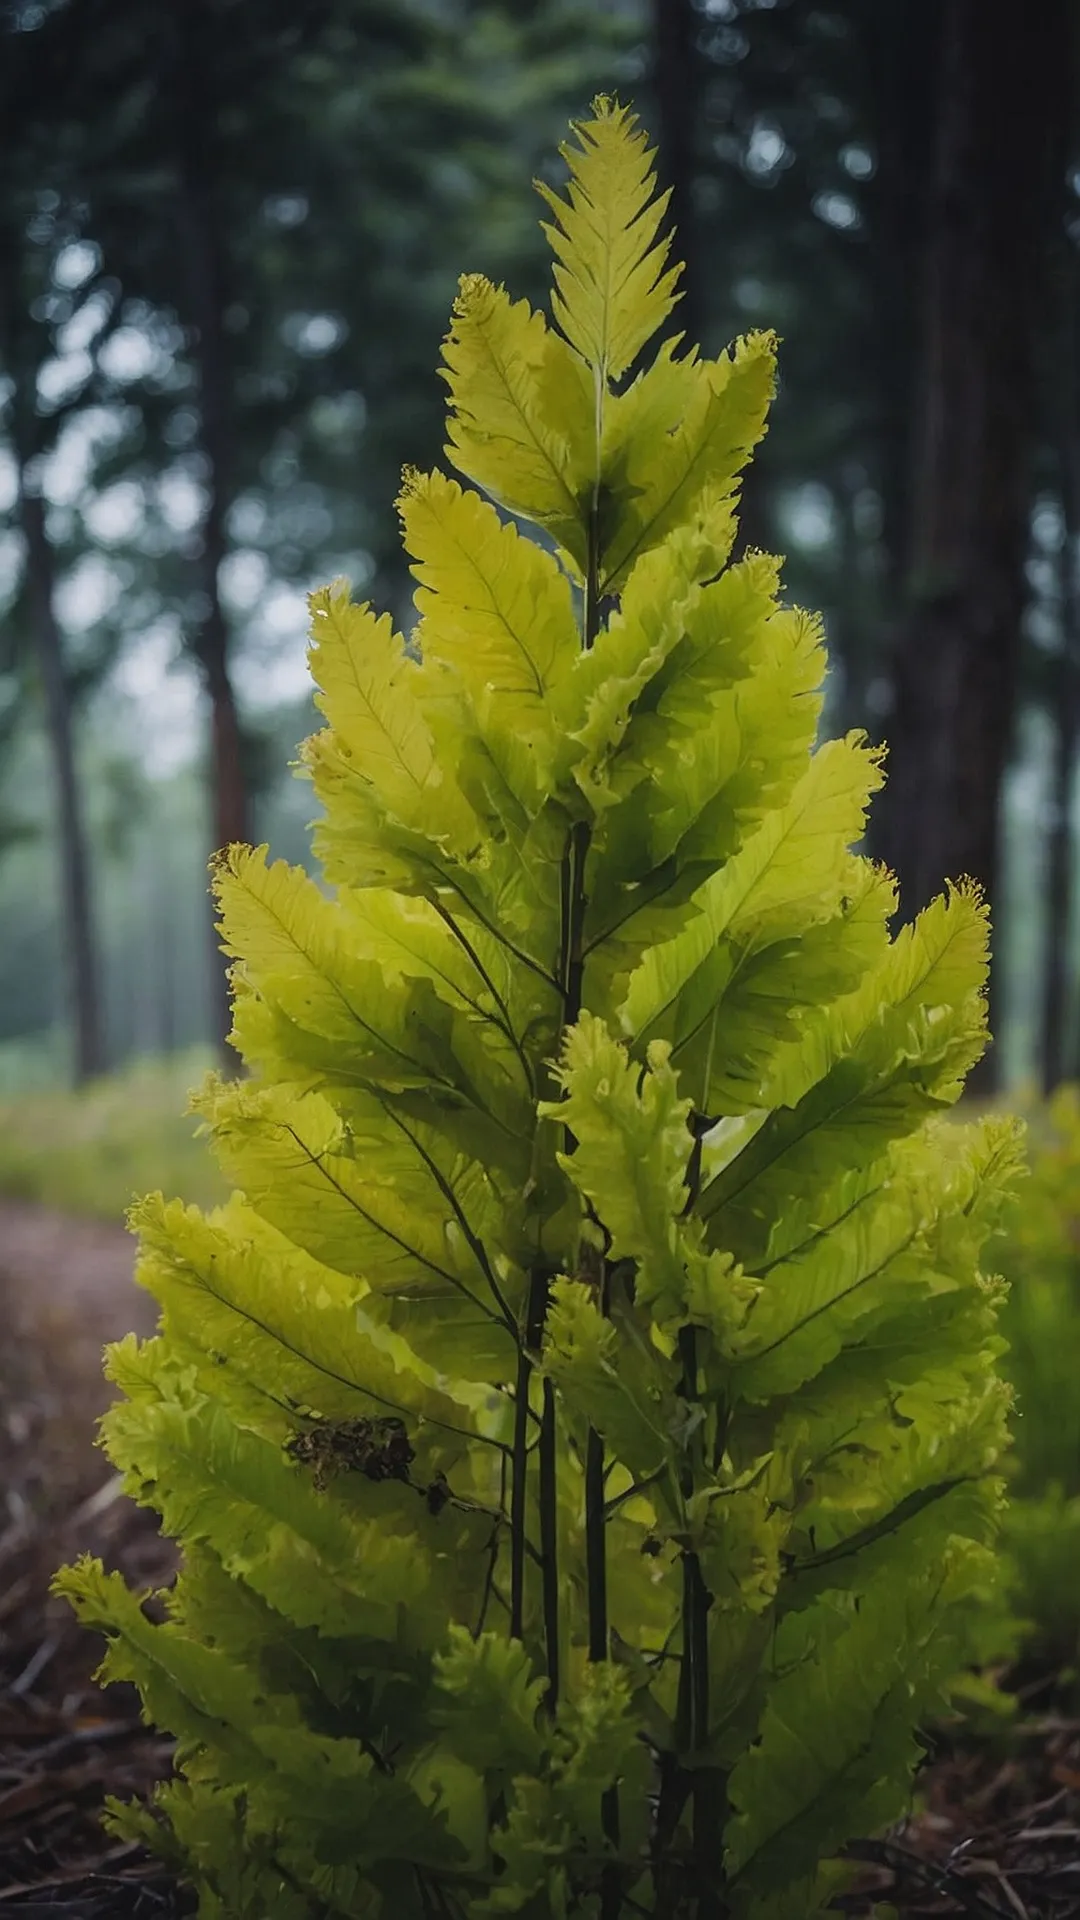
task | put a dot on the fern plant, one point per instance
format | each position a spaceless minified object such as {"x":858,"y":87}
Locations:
{"x":580,"y":1424}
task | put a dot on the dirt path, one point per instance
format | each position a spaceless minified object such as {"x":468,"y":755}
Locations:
{"x":66,"y":1288}
{"x":84,"y":1265}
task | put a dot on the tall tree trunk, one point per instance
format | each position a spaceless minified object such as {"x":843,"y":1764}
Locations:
{"x":1065,"y":708}
{"x":1056,"y":1065}
{"x":199,"y":229}
{"x":677,"y":66}
{"x":898,"y":42}
{"x":230,"y":812}
{"x":1062,"y":416}
{"x":955,"y":677}
{"x":74,"y":866}
{"x":675,"y":85}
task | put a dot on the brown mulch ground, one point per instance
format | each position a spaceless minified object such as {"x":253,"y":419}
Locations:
{"x":997,"y":1834}
{"x":65,"y":1289}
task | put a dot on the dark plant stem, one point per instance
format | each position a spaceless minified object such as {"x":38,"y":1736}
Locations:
{"x":707,"y":1783}
{"x":503,"y":1021}
{"x":493,"y":1555}
{"x":595,"y":1557}
{"x":573,"y":969}
{"x":676,"y":1781}
{"x":573,"y":974}
{"x":549,"y":1542}
{"x":517,"y":1495}
{"x":599,"y":1647}
{"x":570,"y":981}
{"x":596,"y":1512}
{"x":570,"y":974}
{"x":595,"y":1503}
{"x":708,"y":1780}
{"x":611,"y":1893}
{"x":535,"y":1314}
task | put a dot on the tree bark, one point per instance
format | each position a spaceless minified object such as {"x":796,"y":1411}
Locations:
{"x":955,"y":672}
{"x":899,"y":43}
{"x":1056,"y":1064}
{"x":1065,"y":713}
{"x":74,"y":865}
{"x":675,"y":85}
{"x":204,"y":276}
{"x":1062,"y":416}
{"x":677,"y":66}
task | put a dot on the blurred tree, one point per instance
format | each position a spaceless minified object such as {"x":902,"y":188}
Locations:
{"x":294,"y":192}
{"x":89,"y":1058}
{"x":1059,"y":1061}
{"x":1000,"y":116}
{"x":35,"y":653}
{"x":881,"y":184}
{"x":1059,"y":1055}
{"x":676,"y":73}
{"x":59,"y":418}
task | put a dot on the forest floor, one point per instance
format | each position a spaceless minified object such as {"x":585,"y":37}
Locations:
{"x":66,"y":1288}
{"x":996,"y":1834}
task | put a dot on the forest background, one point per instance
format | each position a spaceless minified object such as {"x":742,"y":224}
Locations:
{"x":230,"y":233}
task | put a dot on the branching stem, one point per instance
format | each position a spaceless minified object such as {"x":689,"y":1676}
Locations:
{"x":595,"y":1501}
{"x":529,"y":1342}
{"x":472,"y":1239}
{"x":549,"y":1544}
{"x":504,"y":1022}
{"x":693,"y":1717}
{"x":517,"y":1494}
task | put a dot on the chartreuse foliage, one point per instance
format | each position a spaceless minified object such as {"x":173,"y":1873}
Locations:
{"x":581,"y":1422}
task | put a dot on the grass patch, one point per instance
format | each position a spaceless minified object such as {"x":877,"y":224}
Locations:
{"x":94,"y":1151}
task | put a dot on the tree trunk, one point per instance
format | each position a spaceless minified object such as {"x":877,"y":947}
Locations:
{"x":206,"y":299}
{"x":675,"y":85}
{"x":677,"y":67}
{"x":1056,"y":1065}
{"x":74,"y":866}
{"x":1065,"y":706}
{"x":1062,"y":415}
{"x":956,"y":667}
{"x":899,"y":41}
{"x":228,"y":785}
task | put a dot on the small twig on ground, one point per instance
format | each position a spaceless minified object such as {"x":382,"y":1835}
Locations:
{"x":926,"y":1873}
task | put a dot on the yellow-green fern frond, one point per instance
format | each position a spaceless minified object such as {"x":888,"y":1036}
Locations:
{"x":613,"y":287}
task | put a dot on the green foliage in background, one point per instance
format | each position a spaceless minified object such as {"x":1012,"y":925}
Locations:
{"x":581,"y":1424}
{"x":95,"y":1150}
